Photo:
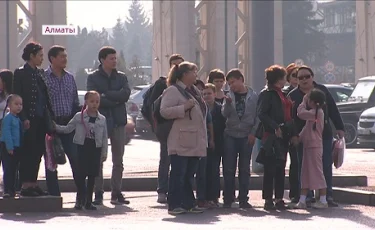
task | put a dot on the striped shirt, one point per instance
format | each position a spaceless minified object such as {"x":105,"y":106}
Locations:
{"x":62,"y":92}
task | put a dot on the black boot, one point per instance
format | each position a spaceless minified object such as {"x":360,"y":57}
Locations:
{"x":78,"y":205}
{"x":98,"y":198}
{"x":88,"y":204}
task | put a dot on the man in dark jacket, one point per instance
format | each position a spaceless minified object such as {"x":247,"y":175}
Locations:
{"x":114,"y":89}
{"x":306,"y":83}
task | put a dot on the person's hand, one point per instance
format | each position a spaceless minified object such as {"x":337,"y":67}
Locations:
{"x":295,"y":140}
{"x":306,"y":98}
{"x":228,"y":99}
{"x":340,"y":133}
{"x":189,"y":104}
{"x":26,"y":124}
{"x":103,"y":157}
{"x":10,"y":152}
{"x":251,"y":139}
{"x":211,"y":144}
{"x":279,"y":133}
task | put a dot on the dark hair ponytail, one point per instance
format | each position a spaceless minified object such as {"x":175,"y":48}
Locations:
{"x":318,"y":106}
{"x":173,"y":75}
{"x":318,"y":97}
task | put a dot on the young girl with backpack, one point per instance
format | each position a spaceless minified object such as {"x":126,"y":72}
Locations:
{"x":92,"y":139}
{"x":312,"y":177}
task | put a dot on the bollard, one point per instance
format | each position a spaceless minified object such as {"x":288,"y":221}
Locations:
{"x":256,"y":167}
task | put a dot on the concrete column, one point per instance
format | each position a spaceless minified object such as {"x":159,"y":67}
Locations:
{"x":243,"y":43}
{"x":9,"y":40}
{"x":278,"y":32}
{"x":174,"y":32}
{"x":216,"y":39}
{"x":365,"y":51}
{"x":47,"y":13}
{"x":262,"y":39}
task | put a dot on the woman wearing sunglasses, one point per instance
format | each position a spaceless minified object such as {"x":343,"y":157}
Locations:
{"x":306,"y":84}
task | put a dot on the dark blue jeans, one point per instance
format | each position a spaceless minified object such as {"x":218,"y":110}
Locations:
{"x":71,"y":152}
{"x":213,"y":175}
{"x":180,"y":193}
{"x":163,"y":172}
{"x":241,"y":149}
{"x":10,"y":168}
{"x":201,"y":179}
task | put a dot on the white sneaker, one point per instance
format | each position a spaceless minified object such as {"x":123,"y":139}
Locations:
{"x":319,"y":205}
{"x":300,"y":205}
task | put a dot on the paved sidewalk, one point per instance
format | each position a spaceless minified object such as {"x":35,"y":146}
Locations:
{"x":144,"y":213}
{"x":142,"y":158}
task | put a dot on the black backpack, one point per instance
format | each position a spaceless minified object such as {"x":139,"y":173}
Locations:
{"x":146,"y":106}
{"x":146,"y":110}
{"x":162,"y":126}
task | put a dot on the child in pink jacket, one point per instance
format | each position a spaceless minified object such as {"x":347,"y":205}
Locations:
{"x":312,"y":177}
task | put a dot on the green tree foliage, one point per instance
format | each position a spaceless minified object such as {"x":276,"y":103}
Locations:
{"x":121,"y":64}
{"x":136,"y":77}
{"x":301,"y":37}
{"x":83,"y":48}
{"x":138,"y":34}
{"x":118,"y":36}
{"x":81,"y":78}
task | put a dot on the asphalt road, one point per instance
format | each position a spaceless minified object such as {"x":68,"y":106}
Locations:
{"x":144,"y":213}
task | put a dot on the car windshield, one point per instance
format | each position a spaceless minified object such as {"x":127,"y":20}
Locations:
{"x":362,"y":91}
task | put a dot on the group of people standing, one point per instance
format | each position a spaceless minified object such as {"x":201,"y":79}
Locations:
{"x":36,"y":102}
{"x":212,"y":126}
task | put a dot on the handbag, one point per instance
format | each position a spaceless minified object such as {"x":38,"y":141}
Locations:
{"x":58,"y":152}
{"x":50,"y":126}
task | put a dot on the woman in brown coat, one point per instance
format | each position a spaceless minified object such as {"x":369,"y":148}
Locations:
{"x":187,"y":140}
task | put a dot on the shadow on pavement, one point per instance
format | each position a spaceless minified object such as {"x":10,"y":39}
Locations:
{"x":346,"y":212}
{"x":41,"y":218}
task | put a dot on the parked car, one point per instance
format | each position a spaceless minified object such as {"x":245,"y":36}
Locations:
{"x":130,"y":126}
{"x":134,"y":104}
{"x":366,"y":129}
{"x":362,"y":98}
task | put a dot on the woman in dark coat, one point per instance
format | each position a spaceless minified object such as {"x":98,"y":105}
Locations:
{"x":29,"y":84}
{"x":274,"y":111}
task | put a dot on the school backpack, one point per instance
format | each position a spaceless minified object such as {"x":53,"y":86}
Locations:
{"x":146,"y":110}
{"x":162,"y":126}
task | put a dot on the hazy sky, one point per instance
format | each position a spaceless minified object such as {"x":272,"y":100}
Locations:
{"x":98,"y":14}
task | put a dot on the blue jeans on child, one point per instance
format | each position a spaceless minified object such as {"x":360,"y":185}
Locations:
{"x":10,"y":166}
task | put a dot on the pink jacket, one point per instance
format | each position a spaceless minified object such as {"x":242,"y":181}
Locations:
{"x":311,"y":138}
{"x":188,"y":137}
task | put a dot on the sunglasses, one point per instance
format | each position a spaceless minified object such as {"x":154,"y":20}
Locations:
{"x":304,"y":77}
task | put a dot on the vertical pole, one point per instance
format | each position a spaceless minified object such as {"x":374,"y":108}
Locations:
{"x":8,"y":34}
{"x":226,"y":34}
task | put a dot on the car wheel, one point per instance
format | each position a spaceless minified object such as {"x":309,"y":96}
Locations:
{"x":350,"y":134}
